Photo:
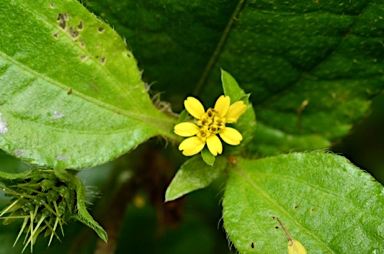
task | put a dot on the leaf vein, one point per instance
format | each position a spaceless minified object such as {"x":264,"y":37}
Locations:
{"x":268,"y":199}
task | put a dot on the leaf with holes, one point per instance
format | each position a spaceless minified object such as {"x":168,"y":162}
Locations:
{"x":311,"y":67}
{"x":71,"y":95}
{"x":323,"y":201}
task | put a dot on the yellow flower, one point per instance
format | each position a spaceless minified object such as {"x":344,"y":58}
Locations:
{"x":208,"y":124}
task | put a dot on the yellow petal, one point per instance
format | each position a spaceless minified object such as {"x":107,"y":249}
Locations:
{"x":214,"y":145}
{"x":194,"y":107}
{"x":191,"y":146}
{"x":222,"y":105}
{"x":235,"y":111}
{"x":231,"y":136}
{"x":186,"y":129}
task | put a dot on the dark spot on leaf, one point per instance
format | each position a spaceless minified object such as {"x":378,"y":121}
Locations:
{"x":62,"y":25}
{"x":52,"y":5}
{"x":69,"y":91}
{"x":56,"y":35}
{"x":273,"y":217}
{"x":277,"y":227}
{"x":103,"y":59}
{"x":82,"y":44}
{"x":312,"y":209}
{"x":73,"y":33}
{"x":96,"y":56}
{"x":81,"y":25}
{"x":83,"y":57}
{"x":296,"y":206}
{"x":252,"y":245}
{"x":62,"y":19}
{"x":101,"y":29}
{"x":128,"y":55}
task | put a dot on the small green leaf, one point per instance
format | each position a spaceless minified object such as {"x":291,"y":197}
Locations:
{"x":71,"y":94}
{"x":247,"y":122}
{"x":327,"y":203}
{"x":83,"y":216}
{"x":208,"y":157}
{"x":231,"y":87}
{"x":194,"y":174}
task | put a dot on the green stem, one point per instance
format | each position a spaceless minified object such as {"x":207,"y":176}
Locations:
{"x":218,"y":49}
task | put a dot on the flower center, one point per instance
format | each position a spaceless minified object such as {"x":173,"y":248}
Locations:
{"x":210,"y":124}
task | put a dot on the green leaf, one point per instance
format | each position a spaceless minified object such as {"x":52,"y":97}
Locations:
{"x":247,"y":122}
{"x":325,"y":202}
{"x":208,"y":157}
{"x":71,"y":95}
{"x":194,"y":174}
{"x":283,"y":53}
{"x":83,"y":215}
{"x":231,"y":87}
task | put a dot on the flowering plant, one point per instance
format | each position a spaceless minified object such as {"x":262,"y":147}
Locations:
{"x":77,"y":119}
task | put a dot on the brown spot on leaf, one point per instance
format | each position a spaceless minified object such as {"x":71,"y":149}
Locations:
{"x":52,"y":5}
{"x":277,"y":227}
{"x":81,"y":25}
{"x":103,"y":59}
{"x":56,"y":35}
{"x":62,"y":19}
{"x":252,"y":245}
{"x":101,"y":29}
{"x":73,"y":33}
{"x":69,"y":91}
{"x":83,"y":57}
{"x":296,"y":207}
{"x":82,"y":44}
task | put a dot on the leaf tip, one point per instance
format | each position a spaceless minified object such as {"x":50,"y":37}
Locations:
{"x":169,"y":196}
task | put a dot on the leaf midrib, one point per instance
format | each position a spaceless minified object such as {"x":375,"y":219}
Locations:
{"x":78,"y":131}
{"x":147,"y":119}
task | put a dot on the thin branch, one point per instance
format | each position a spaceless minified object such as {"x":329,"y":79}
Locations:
{"x":218,"y":49}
